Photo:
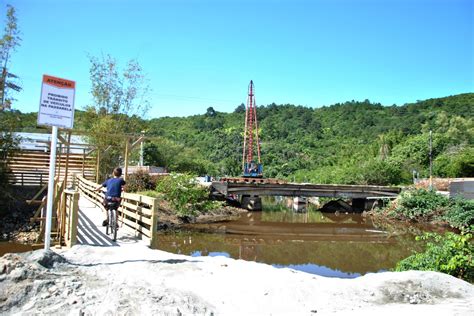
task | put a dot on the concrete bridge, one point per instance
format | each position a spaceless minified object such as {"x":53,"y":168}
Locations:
{"x":250,"y":192}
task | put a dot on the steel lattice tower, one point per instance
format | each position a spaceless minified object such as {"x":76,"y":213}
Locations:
{"x":251,"y":129}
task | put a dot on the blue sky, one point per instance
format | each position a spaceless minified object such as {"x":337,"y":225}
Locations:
{"x":204,"y":53}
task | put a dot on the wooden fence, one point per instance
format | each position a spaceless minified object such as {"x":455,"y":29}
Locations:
{"x":64,"y":215}
{"x":137,"y":213}
{"x":31,"y":168}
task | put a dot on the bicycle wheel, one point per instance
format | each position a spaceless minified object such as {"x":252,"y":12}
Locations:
{"x":108,"y":224}
{"x":113,"y":224}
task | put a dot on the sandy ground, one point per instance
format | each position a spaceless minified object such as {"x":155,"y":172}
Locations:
{"x":128,"y":278}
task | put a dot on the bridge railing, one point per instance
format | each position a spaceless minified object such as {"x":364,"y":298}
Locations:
{"x":64,"y":215}
{"x":137,"y":213}
{"x":69,"y":216}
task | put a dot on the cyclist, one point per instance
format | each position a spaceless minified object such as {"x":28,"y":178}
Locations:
{"x":114,"y":186}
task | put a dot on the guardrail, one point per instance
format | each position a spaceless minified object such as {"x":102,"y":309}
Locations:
{"x":137,"y":213}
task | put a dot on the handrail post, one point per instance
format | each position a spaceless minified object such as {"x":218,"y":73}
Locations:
{"x":127,"y":144}
{"x":154,"y":222}
{"x":62,"y":216}
{"x":74,"y":218}
{"x":97,"y":168}
{"x":83,"y":162}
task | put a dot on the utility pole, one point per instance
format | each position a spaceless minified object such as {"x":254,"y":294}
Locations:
{"x":141,"y":148}
{"x":431,"y":161}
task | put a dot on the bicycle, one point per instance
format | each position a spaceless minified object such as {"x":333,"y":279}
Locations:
{"x":112,"y":224}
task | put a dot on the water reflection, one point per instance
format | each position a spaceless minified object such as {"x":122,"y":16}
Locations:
{"x":319,"y":270}
{"x":324,"y":244}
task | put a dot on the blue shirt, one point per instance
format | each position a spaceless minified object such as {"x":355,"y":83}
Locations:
{"x":114,"y":186}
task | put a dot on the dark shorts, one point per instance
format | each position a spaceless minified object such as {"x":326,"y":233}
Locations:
{"x":111,"y":201}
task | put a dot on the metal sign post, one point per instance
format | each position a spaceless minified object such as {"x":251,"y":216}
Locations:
{"x":56,"y":110}
{"x":49,"y":206}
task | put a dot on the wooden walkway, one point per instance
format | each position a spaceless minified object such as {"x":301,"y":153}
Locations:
{"x":90,"y":229}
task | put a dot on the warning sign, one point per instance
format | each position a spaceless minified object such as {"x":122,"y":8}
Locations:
{"x":57,"y":102}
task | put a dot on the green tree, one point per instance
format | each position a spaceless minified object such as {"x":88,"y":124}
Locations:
{"x":185,"y":194}
{"x":8,"y":144}
{"x":458,"y":162}
{"x":120,"y":98}
{"x":210,"y":112}
{"x":8,"y":43}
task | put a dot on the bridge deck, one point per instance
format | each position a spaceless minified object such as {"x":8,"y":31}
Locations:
{"x":303,"y":189}
{"x":90,"y":230}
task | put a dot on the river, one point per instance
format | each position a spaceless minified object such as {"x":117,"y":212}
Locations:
{"x":333,"y":245}
{"x":327,"y":244}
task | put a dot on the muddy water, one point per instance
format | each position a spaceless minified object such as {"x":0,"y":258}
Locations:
{"x":325,"y":244}
{"x":11,"y":247}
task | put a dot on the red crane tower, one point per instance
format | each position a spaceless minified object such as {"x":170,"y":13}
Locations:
{"x":250,"y":167}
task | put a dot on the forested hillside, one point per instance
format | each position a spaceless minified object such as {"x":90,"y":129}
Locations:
{"x":351,"y":142}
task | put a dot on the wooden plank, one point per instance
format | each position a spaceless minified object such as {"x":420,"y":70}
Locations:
{"x":136,"y":208}
{"x":141,"y":218}
{"x":73,"y":218}
{"x":34,"y":202}
{"x":154,"y":222}
{"x":137,"y":228}
{"x":97,"y":166}
{"x":38,"y":210}
{"x":138,"y":198}
{"x":37,"y":219}
{"x":42,"y":156}
{"x":127,"y":144}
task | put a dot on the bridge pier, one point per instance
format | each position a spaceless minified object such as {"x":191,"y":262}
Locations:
{"x":251,"y":203}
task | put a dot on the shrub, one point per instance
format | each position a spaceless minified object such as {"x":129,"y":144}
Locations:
{"x":425,"y":205}
{"x":451,"y":254}
{"x":140,"y":181}
{"x":420,"y":204}
{"x":185,"y":194}
{"x":460,"y":214}
{"x":8,"y":145}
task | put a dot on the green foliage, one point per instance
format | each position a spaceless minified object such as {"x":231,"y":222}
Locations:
{"x":455,"y":163}
{"x":120,"y":97}
{"x":417,"y":204}
{"x":140,"y":181}
{"x":426,"y":205}
{"x":116,"y":91}
{"x":8,"y":145}
{"x":347,"y":143}
{"x":378,"y":172}
{"x":185,"y":194}
{"x":452,"y":254}
{"x":460,"y":214}
{"x":352,"y":142}
{"x":173,"y":156}
{"x":8,"y":43}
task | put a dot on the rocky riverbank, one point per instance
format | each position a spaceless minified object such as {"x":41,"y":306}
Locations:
{"x":132,"y":279}
{"x":15,"y":215}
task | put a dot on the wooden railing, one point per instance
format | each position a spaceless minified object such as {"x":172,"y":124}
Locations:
{"x":64,"y":217}
{"x":137,"y":213}
{"x":30,"y":168}
{"x":69,"y":217}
